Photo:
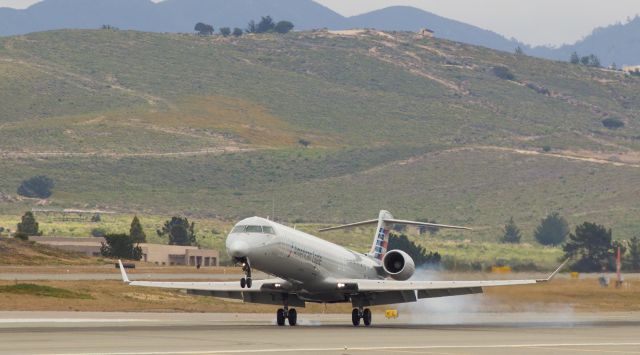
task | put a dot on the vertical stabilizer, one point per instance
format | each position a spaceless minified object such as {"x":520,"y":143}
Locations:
{"x":381,"y":238}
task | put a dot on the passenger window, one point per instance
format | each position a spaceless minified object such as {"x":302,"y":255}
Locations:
{"x":268,"y":230}
{"x":238,"y":229}
{"x":253,"y":229}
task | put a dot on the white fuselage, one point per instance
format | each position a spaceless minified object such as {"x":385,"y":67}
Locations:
{"x":308,"y":262}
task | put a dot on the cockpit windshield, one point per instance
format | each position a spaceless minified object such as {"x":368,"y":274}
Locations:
{"x":253,"y":229}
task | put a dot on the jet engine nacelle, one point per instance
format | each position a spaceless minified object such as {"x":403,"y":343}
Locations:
{"x":398,"y":265}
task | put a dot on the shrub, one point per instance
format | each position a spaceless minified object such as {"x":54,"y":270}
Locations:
{"x":38,"y":186}
{"x":21,"y":236}
{"x":225,"y":31}
{"x":612,"y":123}
{"x":503,"y":73}
{"x":98,"y":232}
{"x":283,"y":27}
{"x":546,"y":148}
{"x":237,"y":32}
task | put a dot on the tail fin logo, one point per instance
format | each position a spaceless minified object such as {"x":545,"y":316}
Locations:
{"x":381,"y":243}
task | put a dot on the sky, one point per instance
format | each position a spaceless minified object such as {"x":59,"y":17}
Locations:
{"x":536,"y":22}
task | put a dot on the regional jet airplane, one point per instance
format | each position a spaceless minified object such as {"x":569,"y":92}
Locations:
{"x":309,"y":269}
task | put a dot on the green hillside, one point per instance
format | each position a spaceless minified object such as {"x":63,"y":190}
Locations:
{"x":210,"y":127}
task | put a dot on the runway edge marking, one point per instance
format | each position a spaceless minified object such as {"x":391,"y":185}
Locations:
{"x":355,"y":348}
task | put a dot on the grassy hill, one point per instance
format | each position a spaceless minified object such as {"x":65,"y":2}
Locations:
{"x":160,"y":124}
{"x":17,"y":252}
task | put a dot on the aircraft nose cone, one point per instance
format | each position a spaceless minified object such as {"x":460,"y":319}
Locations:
{"x":238,"y":249}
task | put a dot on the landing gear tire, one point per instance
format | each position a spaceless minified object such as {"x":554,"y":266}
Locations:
{"x":280,"y":317}
{"x":248,"y":282}
{"x":243,"y":282}
{"x":366,"y":317}
{"x":355,"y":317}
{"x":292,"y":316}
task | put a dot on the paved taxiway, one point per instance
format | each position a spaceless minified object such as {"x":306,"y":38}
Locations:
{"x":183,"y":333}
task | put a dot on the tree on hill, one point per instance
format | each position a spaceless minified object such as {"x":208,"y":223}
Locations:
{"x":591,"y":245}
{"x":591,"y":61}
{"x":265,"y":25}
{"x":225,"y":31}
{"x":511,"y":233}
{"x":38,"y":187}
{"x":575,"y":58}
{"x":179,"y":231}
{"x":120,"y":246}
{"x":519,"y":51}
{"x":553,"y":230}
{"x":283,"y":27}
{"x":252,"y":27}
{"x":204,"y":29}
{"x":418,"y":253}
{"x":633,"y":262}
{"x":136,"y":232}
{"x":28,"y":226}
{"x":237,"y":32}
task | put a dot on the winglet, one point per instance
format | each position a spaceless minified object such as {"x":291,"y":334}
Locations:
{"x":125,"y":278}
{"x":553,"y":274}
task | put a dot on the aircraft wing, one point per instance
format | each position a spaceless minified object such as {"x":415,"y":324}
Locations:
{"x":269,"y":291}
{"x":257,"y":286}
{"x":379,"y":292}
{"x":233,"y":286}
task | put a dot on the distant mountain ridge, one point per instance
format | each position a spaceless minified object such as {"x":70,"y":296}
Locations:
{"x":618,"y":43}
{"x":181,"y":16}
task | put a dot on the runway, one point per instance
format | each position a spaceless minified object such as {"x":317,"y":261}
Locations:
{"x":187,"y":333}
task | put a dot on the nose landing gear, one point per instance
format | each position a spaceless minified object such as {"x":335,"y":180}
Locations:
{"x":246,"y":281}
{"x":358,"y":313}
{"x":287,"y":314}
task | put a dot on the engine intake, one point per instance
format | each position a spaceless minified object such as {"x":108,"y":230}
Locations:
{"x":398,"y":265}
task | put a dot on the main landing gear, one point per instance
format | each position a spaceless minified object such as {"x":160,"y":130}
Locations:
{"x":246,"y":281}
{"x":359,"y":313}
{"x":287,"y":314}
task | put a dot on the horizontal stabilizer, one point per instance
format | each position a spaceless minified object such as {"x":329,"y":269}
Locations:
{"x":356,"y":224}
{"x":393,"y":221}
{"x":424,"y":224}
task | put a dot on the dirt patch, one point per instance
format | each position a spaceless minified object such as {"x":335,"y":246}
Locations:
{"x":348,"y":32}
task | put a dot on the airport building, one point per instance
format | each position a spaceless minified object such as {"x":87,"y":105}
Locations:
{"x":159,"y":254}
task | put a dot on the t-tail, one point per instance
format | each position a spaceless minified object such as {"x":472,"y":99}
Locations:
{"x":384,"y":222}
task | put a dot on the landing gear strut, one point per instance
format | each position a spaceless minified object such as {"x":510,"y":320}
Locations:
{"x":358,"y":313}
{"x":246,"y":267}
{"x":287,"y":314}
